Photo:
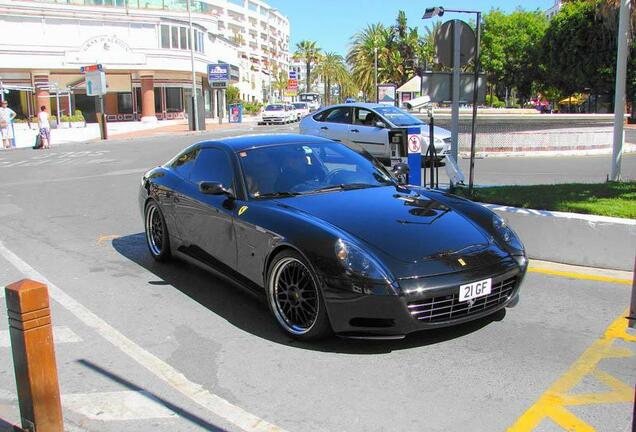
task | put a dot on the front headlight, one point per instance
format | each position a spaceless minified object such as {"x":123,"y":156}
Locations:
{"x":506,"y":234}
{"x":360,"y":263}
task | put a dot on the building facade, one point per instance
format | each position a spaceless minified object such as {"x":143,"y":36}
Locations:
{"x":144,"y":47}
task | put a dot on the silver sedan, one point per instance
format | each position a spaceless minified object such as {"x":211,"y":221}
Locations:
{"x":371,"y":126}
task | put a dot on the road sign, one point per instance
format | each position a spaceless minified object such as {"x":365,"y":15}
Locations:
{"x":293,"y":75}
{"x":292,"y":84}
{"x":414,"y":140}
{"x":91,"y":68}
{"x":444,"y":43}
{"x":218,"y":75}
{"x":96,"y":83}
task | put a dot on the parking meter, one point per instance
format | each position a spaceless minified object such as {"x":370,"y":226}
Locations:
{"x":414,"y":140}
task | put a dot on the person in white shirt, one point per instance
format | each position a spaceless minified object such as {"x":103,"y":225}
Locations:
{"x":45,"y":127}
{"x":6,"y":116}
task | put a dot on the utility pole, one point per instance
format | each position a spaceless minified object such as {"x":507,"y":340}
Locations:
{"x":195,"y":107}
{"x":473,"y":132}
{"x":375,"y":68}
{"x":619,"y":95}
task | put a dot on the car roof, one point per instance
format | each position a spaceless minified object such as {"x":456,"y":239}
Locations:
{"x":245,"y":142}
{"x":357,"y":104}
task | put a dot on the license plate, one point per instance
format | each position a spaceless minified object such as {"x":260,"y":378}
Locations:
{"x":474,"y":290}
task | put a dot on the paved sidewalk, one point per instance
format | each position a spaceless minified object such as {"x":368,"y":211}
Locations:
{"x":174,"y":129}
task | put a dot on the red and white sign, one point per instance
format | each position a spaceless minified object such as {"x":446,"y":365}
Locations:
{"x":415,"y":144}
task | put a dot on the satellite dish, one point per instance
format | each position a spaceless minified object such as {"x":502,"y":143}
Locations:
{"x":444,"y":43}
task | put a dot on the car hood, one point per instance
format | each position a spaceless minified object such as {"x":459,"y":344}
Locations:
{"x":411,"y":228}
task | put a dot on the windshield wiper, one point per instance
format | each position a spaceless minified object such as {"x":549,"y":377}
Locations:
{"x":347,"y":186}
{"x":278,"y":195}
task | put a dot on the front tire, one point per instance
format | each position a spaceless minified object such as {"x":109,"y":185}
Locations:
{"x":157,"y":237}
{"x":295,"y":298}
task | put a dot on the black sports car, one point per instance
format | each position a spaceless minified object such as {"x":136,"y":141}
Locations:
{"x":331,"y":238}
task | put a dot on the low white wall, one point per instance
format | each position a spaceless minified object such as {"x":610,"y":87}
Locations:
{"x":571,"y":238}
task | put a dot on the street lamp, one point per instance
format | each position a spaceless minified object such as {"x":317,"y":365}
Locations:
{"x":195,"y":111}
{"x":439,"y":11}
{"x":375,"y":68}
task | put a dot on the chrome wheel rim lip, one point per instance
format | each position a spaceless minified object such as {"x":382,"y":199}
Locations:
{"x":154,"y":230}
{"x":283,"y":316}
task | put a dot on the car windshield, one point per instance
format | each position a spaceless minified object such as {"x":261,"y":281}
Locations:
{"x":294,"y":169}
{"x":300,"y":105}
{"x":274,"y":108}
{"x":398,"y":117}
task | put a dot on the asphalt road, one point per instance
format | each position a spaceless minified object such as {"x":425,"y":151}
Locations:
{"x":166,"y":347}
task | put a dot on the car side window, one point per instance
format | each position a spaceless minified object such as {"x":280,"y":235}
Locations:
{"x":183,"y":165}
{"x":321,"y":115}
{"x":339,"y":115}
{"x":213,"y":165}
{"x":366,"y":117}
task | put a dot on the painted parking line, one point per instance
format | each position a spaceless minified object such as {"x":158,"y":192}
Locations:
{"x":579,"y":272}
{"x":553,"y":404}
{"x":162,"y":370}
{"x":118,"y":405}
{"x":61,"y":334}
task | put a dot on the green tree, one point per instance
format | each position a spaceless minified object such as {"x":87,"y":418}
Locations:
{"x":233,"y":94}
{"x":308,"y":52}
{"x":333,"y":71}
{"x":511,"y":49}
{"x":361,"y":56}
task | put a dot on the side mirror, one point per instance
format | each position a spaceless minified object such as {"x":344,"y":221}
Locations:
{"x":401,"y":172}
{"x":380,"y":124}
{"x":214,"y":188}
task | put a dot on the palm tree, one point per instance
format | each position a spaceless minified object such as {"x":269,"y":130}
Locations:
{"x":333,"y":71}
{"x":361,"y":56}
{"x":307,"y":51}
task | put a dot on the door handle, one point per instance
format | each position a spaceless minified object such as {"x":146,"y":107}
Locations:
{"x":324,"y":127}
{"x":355,"y":130}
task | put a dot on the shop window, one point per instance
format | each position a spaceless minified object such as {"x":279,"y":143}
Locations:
{"x":124,"y":103}
{"x":174,"y":100}
{"x":158,"y":100}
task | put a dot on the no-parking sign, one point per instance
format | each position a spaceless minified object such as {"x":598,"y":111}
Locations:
{"x":414,"y":144}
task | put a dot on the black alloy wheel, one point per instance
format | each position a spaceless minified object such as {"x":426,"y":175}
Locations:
{"x":156,"y":232}
{"x":295,"y":299}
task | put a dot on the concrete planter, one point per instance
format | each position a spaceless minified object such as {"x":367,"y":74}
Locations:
{"x":572,"y":238}
{"x":78,"y":124}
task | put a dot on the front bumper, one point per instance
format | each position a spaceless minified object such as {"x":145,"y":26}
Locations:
{"x":425,"y":303}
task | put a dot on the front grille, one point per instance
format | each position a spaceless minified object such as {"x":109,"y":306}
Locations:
{"x":445,"y":308}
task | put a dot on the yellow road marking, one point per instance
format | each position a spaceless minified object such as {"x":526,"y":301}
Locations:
{"x":579,"y":275}
{"x":552,"y":404}
{"x":105,"y":238}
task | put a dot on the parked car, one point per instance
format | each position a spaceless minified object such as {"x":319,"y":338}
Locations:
{"x":278,"y":113}
{"x":350,"y":100}
{"x":369,"y":125}
{"x":302,"y":109}
{"x":329,"y":237}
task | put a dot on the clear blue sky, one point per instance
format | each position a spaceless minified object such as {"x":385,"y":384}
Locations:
{"x":332,"y":22}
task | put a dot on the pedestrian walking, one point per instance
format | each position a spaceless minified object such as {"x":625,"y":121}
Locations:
{"x":45,"y":127}
{"x":6,"y":129}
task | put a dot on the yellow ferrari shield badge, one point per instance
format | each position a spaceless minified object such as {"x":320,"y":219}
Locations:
{"x":461,"y":261}
{"x":242,"y":210}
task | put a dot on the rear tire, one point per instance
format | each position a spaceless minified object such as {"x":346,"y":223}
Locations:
{"x":295,"y":298}
{"x":157,"y":237}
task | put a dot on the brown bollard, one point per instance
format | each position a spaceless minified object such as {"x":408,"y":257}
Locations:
{"x":34,"y":356}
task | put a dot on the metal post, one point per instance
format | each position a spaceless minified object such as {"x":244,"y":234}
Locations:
{"x":473,"y":132}
{"x":57,"y":103}
{"x":619,"y":95}
{"x":632,"y":307}
{"x":375,"y":68}
{"x":455,"y":93}
{"x":70,"y":108}
{"x":195,"y":111}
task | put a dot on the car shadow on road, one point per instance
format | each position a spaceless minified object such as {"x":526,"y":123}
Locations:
{"x":249,"y":312}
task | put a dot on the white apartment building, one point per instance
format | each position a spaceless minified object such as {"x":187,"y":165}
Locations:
{"x":144,"y":46}
{"x":554,"y":9}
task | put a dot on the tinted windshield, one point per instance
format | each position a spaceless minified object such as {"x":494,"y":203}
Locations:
{"x":274,"y":108}
{"x":309,"y":168}
{"x":300,"y":105}
{"x":398,"y":117}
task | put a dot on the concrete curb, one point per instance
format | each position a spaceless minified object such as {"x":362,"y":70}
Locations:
{"x":572,"y":238}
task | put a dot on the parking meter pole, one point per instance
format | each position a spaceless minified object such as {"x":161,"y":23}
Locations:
{"x":431,"y":142}
{"x":455,"y":91}
{"x":414,"y":141}
{"x":473,"y":132}
{"x":103,"y":127}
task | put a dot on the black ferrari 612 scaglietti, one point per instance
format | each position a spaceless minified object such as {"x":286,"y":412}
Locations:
{"x":330,"y":237}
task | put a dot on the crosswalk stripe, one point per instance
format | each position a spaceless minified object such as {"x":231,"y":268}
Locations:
{"x":119,"y":405}
{"x":61,"y":334}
